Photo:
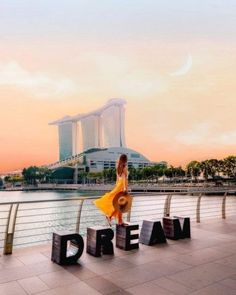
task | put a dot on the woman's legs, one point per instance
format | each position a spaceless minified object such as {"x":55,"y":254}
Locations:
{"x":118,"y":215}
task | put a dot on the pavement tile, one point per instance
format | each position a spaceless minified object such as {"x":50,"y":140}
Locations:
{"x":153,"y":254}
{"x":79,"y":288}
{"x":9,"y":261}
{"x":148,"y":289}
{"x":226,"y":248}
{"x":120,"y":292}
{"x":33,"y":249}
{"x":108,"y":266}
{"x":87,"y":258}
{"x":102,"y":285}
{"x":12,"y":274}
{"x":130,"y":277}
{"x":172,"y":286}
{"x":32,"y":258}
{"x":228,"y":261}
{"x":58,"y":278}
{"x":202,"y":275}
{"x":229,"y":282}
{"x":80,"y":271}
{"x":215,"y":289}
{"x":201,"y":256}
{"x":33,"y":285}
{"x":11,"y":288}
{"x":43,"y":267}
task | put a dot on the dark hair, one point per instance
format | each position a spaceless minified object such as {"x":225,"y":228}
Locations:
{"x":121,"y":164}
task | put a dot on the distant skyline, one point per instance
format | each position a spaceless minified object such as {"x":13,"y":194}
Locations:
{"x":172,"y":61}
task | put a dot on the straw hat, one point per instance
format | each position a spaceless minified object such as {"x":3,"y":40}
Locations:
{"x":122,"y":202}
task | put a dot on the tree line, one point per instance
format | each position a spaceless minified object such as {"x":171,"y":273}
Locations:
{"x":209,"y":169}
{"x":213,"y":168}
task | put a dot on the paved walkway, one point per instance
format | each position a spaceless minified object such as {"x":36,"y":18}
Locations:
{"x":206,"y":264}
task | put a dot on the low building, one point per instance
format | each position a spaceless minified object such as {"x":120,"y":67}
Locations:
{"x":96,"y":160}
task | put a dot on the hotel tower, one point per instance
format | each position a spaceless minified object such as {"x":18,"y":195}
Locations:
{"x":102,"y":128}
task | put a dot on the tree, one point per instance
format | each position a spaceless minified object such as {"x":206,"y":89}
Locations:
{"x":7,"y":178}
{"x":210,"y":168}
{"x":1,"y":182}
{"x":47,"y":174}
{"x":31,"y":174}
{"x":95,"y":176}
{"x":14,"y":178}
{"x":193,"y":169}
{"x":205,"y":169}
{"x":109,"y":174}
{"x":179,"y":172}
{"x":169,"y":172}
{"x":229,"y":166}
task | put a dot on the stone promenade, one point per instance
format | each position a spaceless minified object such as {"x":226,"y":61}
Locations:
{"x":206,"y":264}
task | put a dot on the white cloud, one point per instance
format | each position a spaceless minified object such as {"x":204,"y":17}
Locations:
{"x":228,"y":138}
{"x":120,"y":74}
{"x":40,"y":84}
{"x":206,"y":133}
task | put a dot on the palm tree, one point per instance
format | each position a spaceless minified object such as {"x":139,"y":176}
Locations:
{"x":229,"y":166}
{"x":205,"y":169}
{"x":194,"y":169}
{"x":213,"y":165}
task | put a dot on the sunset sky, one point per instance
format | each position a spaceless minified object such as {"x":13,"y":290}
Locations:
{"x":173,"y":61}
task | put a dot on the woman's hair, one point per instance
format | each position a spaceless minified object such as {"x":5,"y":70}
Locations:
{"x":121,"y":164}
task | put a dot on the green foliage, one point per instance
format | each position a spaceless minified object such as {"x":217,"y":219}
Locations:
{"x":193,"y":169}
{"x":109,"y":174}
{"x":14,"y":178}
{"x":34,"y":173}
{"x":212,"y":168}
{"x":31,"y":174}
{"x":229,"y":166}
{"x":7,"y":178}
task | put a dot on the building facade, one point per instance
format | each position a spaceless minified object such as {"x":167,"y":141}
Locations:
{"x":102,"y":128}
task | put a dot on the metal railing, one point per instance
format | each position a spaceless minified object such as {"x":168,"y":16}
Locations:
{"x":27,"y":223}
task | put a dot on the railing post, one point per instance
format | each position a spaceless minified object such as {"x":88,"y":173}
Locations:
{"x":224,"y":206}
{"x":198,"y":209}
{"x":167,"y":205}
{"x":129,"y":215}
{"x":10,"y":229}
{"x":79,"y":215}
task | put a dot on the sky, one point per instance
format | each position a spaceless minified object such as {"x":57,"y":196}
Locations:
{"x":174,"y":62}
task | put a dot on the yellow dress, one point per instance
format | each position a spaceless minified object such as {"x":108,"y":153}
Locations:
{"x":105,"y":202}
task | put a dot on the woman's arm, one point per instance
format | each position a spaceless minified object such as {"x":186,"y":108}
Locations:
{"x":126,"y":179}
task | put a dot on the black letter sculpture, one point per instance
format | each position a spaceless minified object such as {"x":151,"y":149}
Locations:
{"x":152,"y":233}
{"x":99,"y":241}
{"x":124,"y":236}
{"x":59,"y":247}
{"x":176,"y":227}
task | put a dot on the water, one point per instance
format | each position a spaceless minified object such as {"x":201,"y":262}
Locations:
{"x":18,"y":196}
{"x":36,"y":221}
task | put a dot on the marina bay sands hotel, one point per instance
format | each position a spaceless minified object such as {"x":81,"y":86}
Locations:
{"x":96,"y":139}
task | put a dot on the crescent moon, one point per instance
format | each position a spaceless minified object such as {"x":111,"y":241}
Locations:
{"x":185,"y":68}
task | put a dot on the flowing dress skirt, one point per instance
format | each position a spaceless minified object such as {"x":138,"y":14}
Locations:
{"x":105,"y":202}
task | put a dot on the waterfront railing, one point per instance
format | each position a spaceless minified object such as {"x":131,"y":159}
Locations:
{"x":28,"y":223}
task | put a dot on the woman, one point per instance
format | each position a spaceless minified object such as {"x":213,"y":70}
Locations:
{"x":105,"y":203}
